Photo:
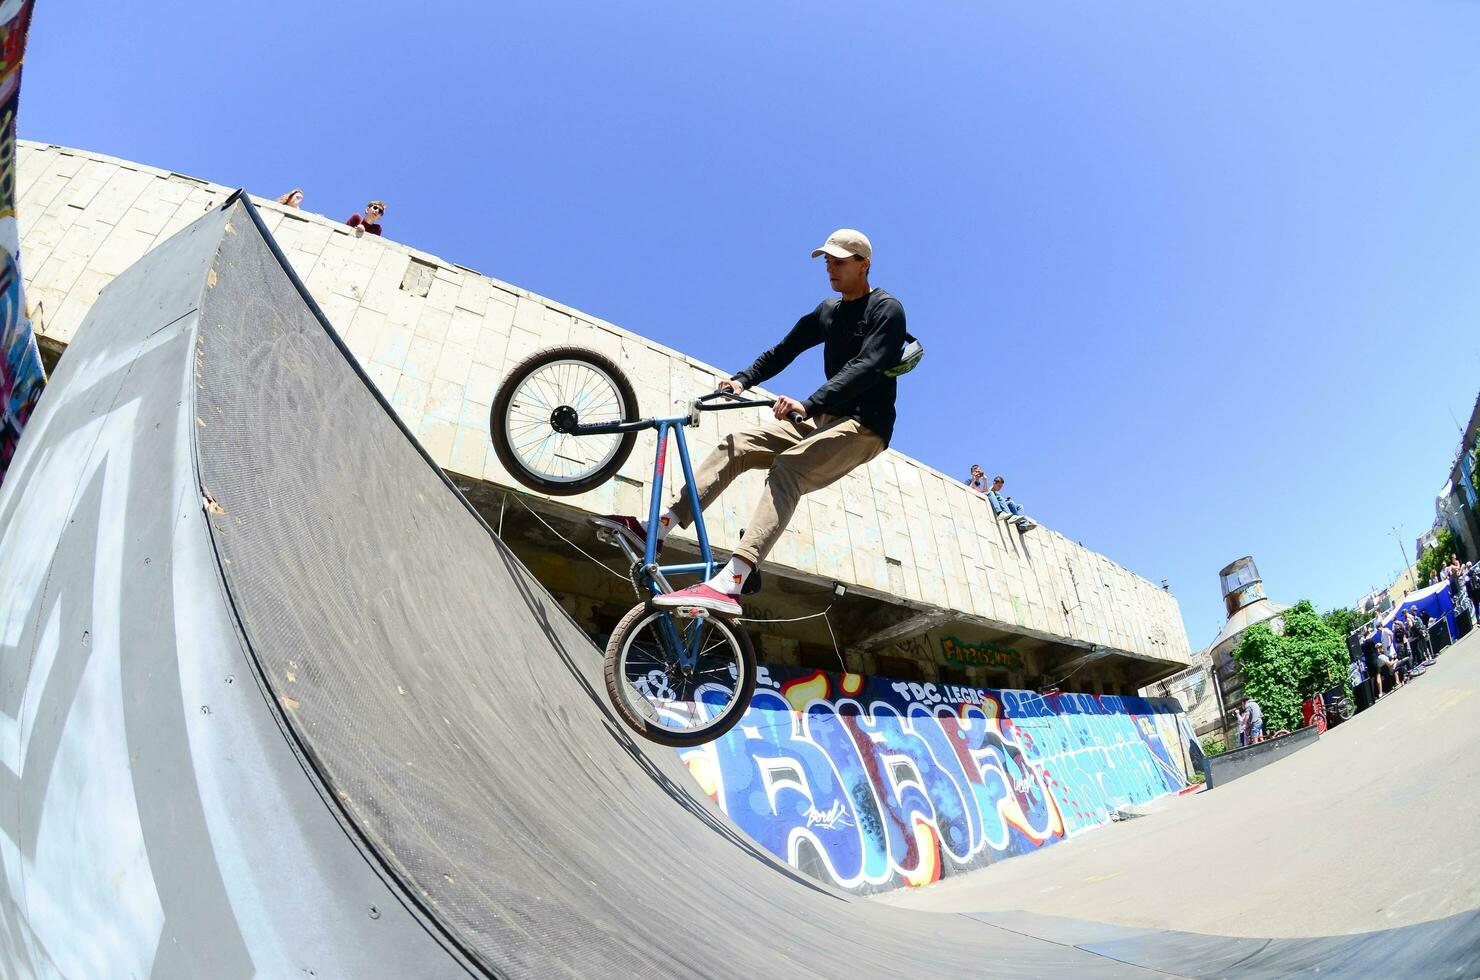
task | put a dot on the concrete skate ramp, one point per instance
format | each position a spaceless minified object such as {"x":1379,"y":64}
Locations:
{"x":455,"y":712}
{"x":274,"y":701}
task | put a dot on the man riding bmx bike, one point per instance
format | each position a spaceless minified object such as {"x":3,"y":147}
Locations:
{"x":810,"y":443}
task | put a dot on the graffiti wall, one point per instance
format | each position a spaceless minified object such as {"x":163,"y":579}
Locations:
{"x":872,"y":784}
{"x":21,"y":375}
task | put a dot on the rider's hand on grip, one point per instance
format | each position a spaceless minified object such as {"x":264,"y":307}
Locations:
{"x":790,"y":409}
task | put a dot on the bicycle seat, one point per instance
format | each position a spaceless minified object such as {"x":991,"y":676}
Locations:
{"x":629,"y":528}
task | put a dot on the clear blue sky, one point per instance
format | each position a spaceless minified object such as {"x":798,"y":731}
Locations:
{"x":1201,"y":280}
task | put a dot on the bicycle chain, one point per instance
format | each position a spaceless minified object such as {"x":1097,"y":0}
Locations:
{"x":634,"y":575}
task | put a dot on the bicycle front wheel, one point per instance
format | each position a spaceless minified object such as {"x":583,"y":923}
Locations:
{"x":540,"y":399}
{"x":662,"y":699}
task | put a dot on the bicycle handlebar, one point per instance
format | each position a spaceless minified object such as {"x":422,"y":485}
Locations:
{"x":735,"y":401}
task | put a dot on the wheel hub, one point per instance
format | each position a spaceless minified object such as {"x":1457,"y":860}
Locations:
{"x":564,"y":419}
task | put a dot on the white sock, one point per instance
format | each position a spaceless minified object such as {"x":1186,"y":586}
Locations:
{"x":731,"y":578}
{"x":665,"y":524}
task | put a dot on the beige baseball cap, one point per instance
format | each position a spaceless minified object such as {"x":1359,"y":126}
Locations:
{"x":845,"y":242}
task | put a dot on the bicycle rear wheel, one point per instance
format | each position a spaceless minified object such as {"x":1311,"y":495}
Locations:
{"x":657,"y":697}
{"x":542,"y":397}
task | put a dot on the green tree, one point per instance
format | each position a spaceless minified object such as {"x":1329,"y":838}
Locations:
{"x":1443,"y":549}
{"x":1281,"y":670}
{"x":1344,"y":620}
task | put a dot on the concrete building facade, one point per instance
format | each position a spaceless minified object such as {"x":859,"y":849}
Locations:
{"x":1458,"y":506}
{"x":1198,"y":695}
{"x":936,"y":587}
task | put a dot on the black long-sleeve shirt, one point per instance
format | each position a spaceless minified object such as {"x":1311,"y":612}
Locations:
{"x":861,"y":340}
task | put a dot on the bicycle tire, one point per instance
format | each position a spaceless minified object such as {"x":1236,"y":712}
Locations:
{"x":1344,"y":711}
{"x":616,"y":683}
{"x":499,"y":419}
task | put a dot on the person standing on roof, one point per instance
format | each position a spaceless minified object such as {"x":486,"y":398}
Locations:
{"x":843,"y":424}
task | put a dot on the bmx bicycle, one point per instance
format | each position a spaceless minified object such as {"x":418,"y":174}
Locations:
{"x":1326,"y":706}
{"x":563,"y":422}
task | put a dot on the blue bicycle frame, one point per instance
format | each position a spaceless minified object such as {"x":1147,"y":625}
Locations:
{"x":655,"y":575}
{"x":705,"y":566}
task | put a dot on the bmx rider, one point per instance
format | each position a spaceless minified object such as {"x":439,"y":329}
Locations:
{"x":845,"y":423}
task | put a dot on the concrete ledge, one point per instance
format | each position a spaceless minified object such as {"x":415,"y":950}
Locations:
{"x":1225,"y":768}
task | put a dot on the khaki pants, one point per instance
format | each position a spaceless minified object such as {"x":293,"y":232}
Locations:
{"x":799,"y":459}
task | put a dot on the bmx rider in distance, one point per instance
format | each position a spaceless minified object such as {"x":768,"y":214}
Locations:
{"x":810,"y":443}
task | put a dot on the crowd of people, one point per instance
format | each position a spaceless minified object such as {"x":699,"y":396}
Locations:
{"x":1391,"y":653}
{"x":1462,"y":579}
{"x":361,"y":222}
{"x":1395,"y":653}
{"x":1003,"y":506}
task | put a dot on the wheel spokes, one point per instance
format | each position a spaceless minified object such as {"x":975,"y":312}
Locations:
{"x":590,"y":393}
{"x":665,"y":694}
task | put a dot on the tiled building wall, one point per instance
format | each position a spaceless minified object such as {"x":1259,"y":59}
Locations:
{"x":436,"y":338}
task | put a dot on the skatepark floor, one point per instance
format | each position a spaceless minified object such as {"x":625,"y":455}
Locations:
{"x":1370,"y":828}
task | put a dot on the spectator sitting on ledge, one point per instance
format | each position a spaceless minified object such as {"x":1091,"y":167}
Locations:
{"x":370,"y":222}
{"x":293,"y":198}
{"x":1006,"y":508}
{"x":978,"y":479}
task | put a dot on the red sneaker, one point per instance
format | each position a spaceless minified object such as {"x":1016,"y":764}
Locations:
{"x":699,"y":596}
{"x":630,"y":528}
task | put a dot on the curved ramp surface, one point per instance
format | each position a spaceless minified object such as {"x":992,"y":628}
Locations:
{"x":275,"y":701}
{"x":454,"y":710}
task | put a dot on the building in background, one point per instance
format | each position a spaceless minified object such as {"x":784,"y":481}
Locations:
{"x":917,"y":579}
{"x":1244,"y":598}
{"x":1213,"y":686}
{"x":1456,"y":506}
{"x":1376,"y":601}
{"x":1197,"y":693}
{"x":1406,"y":582}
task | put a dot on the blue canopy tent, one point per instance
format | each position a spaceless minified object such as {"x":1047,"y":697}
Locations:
{"x":1433,"y":600}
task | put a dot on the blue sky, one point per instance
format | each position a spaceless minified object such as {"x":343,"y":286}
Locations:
{"x":1200,"y":280}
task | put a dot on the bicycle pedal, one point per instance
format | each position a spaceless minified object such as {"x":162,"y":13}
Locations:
{"x":691,"y":612}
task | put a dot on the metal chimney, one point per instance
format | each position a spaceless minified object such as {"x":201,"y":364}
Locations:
{"x":1241,"y":583}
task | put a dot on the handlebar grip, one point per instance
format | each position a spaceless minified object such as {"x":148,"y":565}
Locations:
{"x":795,"y":418}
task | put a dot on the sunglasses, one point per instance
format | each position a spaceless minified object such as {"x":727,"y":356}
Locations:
{"x":376,"y":209}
